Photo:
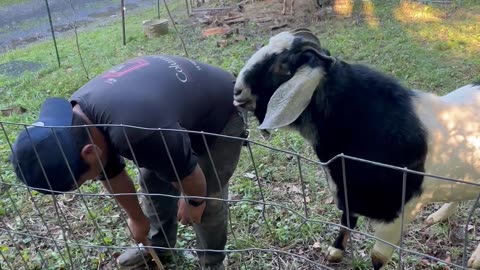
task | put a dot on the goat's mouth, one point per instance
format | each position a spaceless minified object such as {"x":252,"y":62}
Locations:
{"x":238,"y":103}
{"x":245,"y":104}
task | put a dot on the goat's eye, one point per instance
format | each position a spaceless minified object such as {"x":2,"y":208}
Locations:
{"x":282,"y":69}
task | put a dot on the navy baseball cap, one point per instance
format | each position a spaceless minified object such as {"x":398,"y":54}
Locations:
{"x":42,"y":140}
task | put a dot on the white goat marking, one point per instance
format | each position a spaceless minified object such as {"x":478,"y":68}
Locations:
{"x":442,"y":214}
{"x":390,"y":232}
{"x":277,"y":44}
{"x":474,"y":261}
{"x":453,"y":126}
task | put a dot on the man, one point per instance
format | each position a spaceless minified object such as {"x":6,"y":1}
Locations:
{"x":152,"y":92}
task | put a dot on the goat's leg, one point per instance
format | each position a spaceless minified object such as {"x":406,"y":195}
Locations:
{"x":284,"y":7}
{"x":382,"y":252}
{"x":292,"y":10}
{"x":474,"y":261}
{"x":335,"y":252}
{"x":446,"y":211}
{"x":390,"y":232}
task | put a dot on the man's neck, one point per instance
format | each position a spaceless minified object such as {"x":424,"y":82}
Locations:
{"x":96,"y":135}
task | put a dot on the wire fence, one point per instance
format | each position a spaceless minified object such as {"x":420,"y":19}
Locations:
{"x":84,"y":229}
{"x":52,"y":19}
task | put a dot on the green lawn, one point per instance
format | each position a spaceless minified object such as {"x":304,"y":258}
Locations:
{"x":430,"y":48}
{"x":4,"y":3}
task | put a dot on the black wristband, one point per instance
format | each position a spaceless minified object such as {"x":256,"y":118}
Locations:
{"x":195,"y":203}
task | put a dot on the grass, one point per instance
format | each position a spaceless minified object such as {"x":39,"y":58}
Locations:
{"x":426,"y":47}
{"x":5,"y":3}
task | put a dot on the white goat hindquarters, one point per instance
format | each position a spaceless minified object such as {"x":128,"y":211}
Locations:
{"x":452,"y":123}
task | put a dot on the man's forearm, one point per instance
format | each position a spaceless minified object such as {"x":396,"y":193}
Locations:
{"x":194,"y":184}
{"x":123,"y":184}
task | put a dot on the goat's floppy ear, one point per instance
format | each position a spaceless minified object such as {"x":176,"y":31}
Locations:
{"x":292,"y":97}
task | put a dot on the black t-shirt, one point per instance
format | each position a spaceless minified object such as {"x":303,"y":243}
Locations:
{"x":164,"y":91}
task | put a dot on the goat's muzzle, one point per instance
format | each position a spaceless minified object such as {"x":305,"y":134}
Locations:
{"x":238,"y":103}
{"x":243,"y":99}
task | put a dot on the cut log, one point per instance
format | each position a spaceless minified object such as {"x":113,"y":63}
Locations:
{"x":215,"y":31}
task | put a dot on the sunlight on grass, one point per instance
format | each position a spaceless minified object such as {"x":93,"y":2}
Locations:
{"x":343,"y":7}
{"x":448,"y":37}
{"x":346,"y":8}
{"x":411,"y":12}
{"x":369,"y":13}
{"x":457,"y":31}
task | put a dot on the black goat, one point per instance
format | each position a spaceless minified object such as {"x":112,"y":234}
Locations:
{"x":352,"y":109}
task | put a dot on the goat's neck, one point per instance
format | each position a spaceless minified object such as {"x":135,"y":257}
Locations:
{"x":306,"y":127}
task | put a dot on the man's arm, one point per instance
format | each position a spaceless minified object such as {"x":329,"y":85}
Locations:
{"x":192,"y":185}
{"x":137,"y":221}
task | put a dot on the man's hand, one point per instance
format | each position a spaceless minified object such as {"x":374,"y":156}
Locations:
{"x":188,"y":214}
{"x":192,"y":185}
{"x":137,"y":221}
{"x":140,"y":228}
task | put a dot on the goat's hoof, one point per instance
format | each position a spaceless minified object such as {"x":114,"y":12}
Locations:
{"x":474,"y":261}
{"x":379,"y":261}
{"x":334,"y":255}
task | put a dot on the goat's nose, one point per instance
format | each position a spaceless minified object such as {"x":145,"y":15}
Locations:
{"x":237,"y":91}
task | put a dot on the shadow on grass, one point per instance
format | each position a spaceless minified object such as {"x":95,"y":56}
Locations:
{"x":433,"y":48}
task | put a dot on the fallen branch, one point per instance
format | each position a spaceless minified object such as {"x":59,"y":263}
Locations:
{"x":211,"y":9}
{"x":239,"y":20}
{"x":156,"y":259}
{"x":278,"y":26}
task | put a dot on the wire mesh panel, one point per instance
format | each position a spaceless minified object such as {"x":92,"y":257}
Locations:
{"x":281,"y":215}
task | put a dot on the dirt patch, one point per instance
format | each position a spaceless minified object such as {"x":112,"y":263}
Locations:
{"x":17,"y":68}
{"x":265,"y":15}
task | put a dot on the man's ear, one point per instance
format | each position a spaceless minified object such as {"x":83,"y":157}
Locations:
{"x":91,"y":154}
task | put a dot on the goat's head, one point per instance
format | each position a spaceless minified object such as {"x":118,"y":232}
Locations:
{"x":278,"y":81}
